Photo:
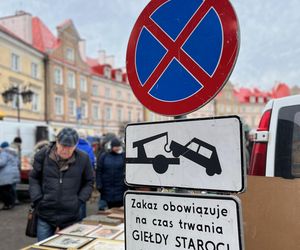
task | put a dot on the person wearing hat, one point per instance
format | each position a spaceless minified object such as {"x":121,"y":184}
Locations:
{"x":9,"y":174}
{"x":110,"y":174}
{"x":61,"y":180}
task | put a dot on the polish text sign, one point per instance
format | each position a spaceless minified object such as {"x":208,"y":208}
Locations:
{"x":160,"y":221}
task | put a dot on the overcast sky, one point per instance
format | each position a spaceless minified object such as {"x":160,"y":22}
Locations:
{"x":270,"y":37}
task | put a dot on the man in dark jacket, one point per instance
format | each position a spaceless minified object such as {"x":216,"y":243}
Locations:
{"x":110,"y":175}
{"x":61,"y":180}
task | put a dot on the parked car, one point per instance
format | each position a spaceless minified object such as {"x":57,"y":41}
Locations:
{"x":276,"y":149}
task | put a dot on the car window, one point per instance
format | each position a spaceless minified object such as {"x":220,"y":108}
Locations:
{"x":287,"y":153}
{"x":296,"y":146}
{"x":193,"y":146}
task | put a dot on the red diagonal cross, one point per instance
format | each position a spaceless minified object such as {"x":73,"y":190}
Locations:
{"x":174,"y":47}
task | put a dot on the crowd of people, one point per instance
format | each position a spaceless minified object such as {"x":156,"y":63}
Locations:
{"x":64,"y":174}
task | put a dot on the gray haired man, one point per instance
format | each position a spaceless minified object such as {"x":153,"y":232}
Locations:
{"x":61,"y":180}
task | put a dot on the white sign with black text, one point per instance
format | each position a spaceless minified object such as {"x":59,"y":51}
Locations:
{"x":202,"y":154}
{"x":167,"y":221}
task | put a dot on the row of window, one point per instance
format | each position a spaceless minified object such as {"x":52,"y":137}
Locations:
{"x":254,"y":99}
{"x":71,"y":79}
{"x":16,"y":66}
{"x":82,"y":111}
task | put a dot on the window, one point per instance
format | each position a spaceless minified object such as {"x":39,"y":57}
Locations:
{"x":58,"y":76}
{"x":119,"y":114}
{"x":35,"y":102}
{"x":287,"y":152}
{"x":252,"y":99}
{"x":15,"y":62}
{"x":34,"y":70}
{"x":70,"y":54}
{"x":152,"y":117}
{"x":83,"y":84}
{"x":95,"y":89}
{"x":119,"y":95}
{"x":221,"y":108}
{"x":71,"y":80}
{"x":84,"y":110}
{"x":96,"y":112}
{"x":107,"y":113}
{"x":129,"y":115}
{"x":119,"y":76}
{"x":129,"y":97}
{"x":228,"y":96}
{"x":260,"y":100}
{"x":138,"y":116}
{"x":107,"y":72}
{"x":72,"y":107}
{"x":107,"y":92}
{"x":58,"y":102}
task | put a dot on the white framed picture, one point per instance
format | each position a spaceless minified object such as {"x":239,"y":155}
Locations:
{"x":106,"y":232}
{"x":79,"y":229}
{"x":68,"y":241}
{"x":120,"y":237}
{"x":100,"y":244}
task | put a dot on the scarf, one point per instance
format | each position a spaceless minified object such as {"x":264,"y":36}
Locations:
{"x":63,"y":164}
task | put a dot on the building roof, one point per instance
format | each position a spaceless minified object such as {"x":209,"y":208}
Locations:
{"x":280,"y":90}
{"x":42,"y":37}
{"x":98,"y":69}
{"x":13,"y":35}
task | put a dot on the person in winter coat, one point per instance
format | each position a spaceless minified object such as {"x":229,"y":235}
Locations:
{"x":84,"y":146}
{"x":9,"y":174}
{"x":110,"y":175}
{"x":61,"y":180}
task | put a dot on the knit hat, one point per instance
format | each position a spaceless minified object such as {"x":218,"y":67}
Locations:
{"x":115,"y":142}
{"x":67,"y":137}
{"x":4,"y":144}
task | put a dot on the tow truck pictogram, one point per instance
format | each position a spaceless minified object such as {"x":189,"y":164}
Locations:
{"x":205,"y":155}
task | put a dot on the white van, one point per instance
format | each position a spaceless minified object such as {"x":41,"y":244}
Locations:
{"x":30,"y":133}
{"x":276,"y":150}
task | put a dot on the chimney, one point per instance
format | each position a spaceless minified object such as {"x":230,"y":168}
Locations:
{"x":82,"y":49}
{"x":22,"y":12}
{"x":110,"y":60}
{"x":101,"y":56}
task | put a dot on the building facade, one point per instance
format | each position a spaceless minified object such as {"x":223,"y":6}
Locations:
{"x":72,"y":89}
{"x":21,"y":66}
{"x":80,"y":92}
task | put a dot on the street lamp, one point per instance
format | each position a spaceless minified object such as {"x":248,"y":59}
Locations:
{"x":9,"y":95}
